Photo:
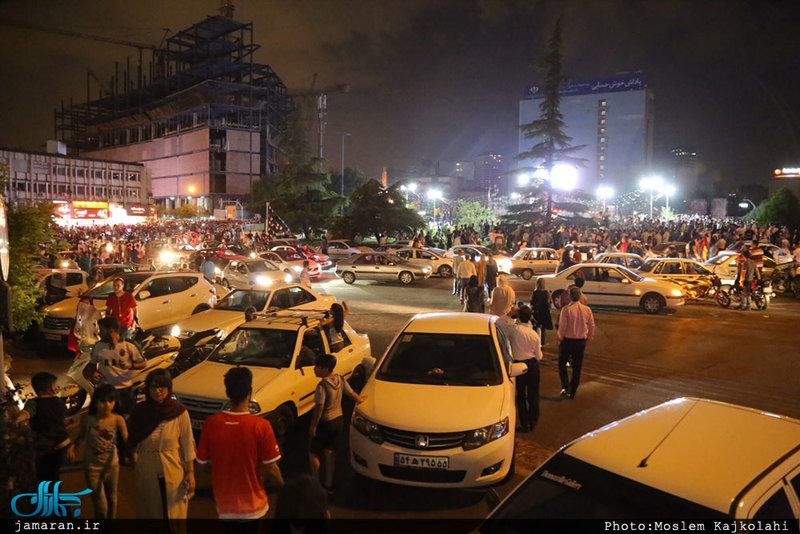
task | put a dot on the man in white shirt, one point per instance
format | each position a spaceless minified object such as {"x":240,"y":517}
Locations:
{"x":526,"y":347}
{"x":465,"y":269}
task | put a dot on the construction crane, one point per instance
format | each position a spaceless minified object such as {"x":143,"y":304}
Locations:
{"x":156,"y":50}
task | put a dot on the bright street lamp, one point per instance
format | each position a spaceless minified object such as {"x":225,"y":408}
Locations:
{"x":434,"y":194}
{"x":564,"y":177}
{"x":747,"y":203}
{"x":523,"y":179}
{"x":653,"y":183}
{"x":604,"y":192}
{"x":668,"y":191}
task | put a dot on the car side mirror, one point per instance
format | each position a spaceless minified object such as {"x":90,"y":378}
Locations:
{"x":143,"y":295}
{"x":517,"y":369}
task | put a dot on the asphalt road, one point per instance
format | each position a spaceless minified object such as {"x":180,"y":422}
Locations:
{"x":635,"y":361}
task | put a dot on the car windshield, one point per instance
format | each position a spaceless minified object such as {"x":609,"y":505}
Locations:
{"x":568,"y":487}
{"x":394,"y":258}
{"x":260,"y":266}
{"x":648,"y":266}
{"x":132,"y":281}
{"x":520,"y":253}
{"x":630,"y":274}
{"x":259,"y":347}
{"x":484,"y":250}
{"x":240,"y":299}
{"x":442,"y":359}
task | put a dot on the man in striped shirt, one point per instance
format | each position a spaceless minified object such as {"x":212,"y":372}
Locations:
{"x":575,"y":328}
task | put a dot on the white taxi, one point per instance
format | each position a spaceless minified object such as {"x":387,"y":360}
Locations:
{"x":613,"y":285}
{"x":252,"y":272}
{"x":530,"y":261}
{"x":279,"y":349}
{"x":439,"y":409}
{"x":438,"y":264}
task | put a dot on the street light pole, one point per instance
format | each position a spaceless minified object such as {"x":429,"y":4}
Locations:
{"x":342,"y":135}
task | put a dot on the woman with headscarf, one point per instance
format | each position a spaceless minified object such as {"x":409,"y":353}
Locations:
{"x":334,"y":326}
{"x":160,"y":433}
{"x":540,"y":304}
{"x":474,"y":296}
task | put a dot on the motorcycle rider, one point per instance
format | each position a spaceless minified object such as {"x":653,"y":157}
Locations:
{"x":116,"y":359}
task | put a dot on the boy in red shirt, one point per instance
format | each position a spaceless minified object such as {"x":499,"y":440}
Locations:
{"x":242,"y":451}
{"x":122,"y":305}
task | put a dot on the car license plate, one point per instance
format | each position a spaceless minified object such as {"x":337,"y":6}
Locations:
{"x":52,"y":337}
{"x":421,"y":462}
{"x":197,"y":424}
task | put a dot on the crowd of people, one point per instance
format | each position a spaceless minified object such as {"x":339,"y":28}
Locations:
{"x":158,"y":434}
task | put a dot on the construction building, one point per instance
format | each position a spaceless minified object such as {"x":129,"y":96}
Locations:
{"x":201,"y":116}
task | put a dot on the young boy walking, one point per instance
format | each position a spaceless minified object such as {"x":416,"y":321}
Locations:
{"x":326,"y":422}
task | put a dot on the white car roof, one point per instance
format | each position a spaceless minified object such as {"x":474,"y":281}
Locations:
{"x":450,"y":323}
{"x":700,"y":450}
{"x":287,"y":319}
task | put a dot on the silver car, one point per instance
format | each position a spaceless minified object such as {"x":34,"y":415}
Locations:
{"x":380,"y":266}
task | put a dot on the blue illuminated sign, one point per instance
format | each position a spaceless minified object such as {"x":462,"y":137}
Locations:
{"x":632,"y":82}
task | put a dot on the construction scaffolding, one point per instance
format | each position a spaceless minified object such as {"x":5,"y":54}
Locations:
{"x":203,"y":76}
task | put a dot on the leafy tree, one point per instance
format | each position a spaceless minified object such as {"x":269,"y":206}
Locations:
{"x":375,"y":209}
{"x":28,"y":228}
{"x":352,"y":181}
{"x":299,"y":193}
{"x":781,"y":209}
{"x":473,"y":213}
{"x":184,"y":211}
{"x":553,"y":146}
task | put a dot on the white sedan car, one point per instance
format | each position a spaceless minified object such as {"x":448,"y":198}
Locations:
{"x":252,"y":272}
{"x":439,"y":409}
{"x":438,"y":264}
{"x":530,"y":261}
{"x":613,"y":285}
{"x":229,"y":311}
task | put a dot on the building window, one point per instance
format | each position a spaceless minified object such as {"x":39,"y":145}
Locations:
{"x":603,"y":112}
{"x":602,"y":121}
{"x":602,"y":167}
{"x":602,"y":157}
{"x":133,"y":176}
{"x":97,"y":174}
{"x":602,"y":175}
{"x":61,"y":171}
{"x":80,"y":172}
{"x":116,"y":175}
{"x":603,"y":103}
{"x":602,"y":140}
{"x":602,"y":130}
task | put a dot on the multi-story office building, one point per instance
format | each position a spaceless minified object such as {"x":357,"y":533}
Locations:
{"x":685,"y":170}
{"x":612,"y":118}
{"x":83,"y":189}
{"x":204,"y":121}
{"x":489,"y":170}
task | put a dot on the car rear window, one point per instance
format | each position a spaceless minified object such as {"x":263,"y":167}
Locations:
{"x":566,"y":487}
{"x":442,"y":359}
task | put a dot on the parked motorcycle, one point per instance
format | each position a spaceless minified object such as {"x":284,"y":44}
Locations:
{"x":760,"y":294}
{"x":158,"y":351}
{"x":701,"y":288}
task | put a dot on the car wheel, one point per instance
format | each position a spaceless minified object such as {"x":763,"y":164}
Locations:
{"x":282,"y":420}
{"x":75,"y":401}
{"x":348,"y":277}
{"x":527,"y":274}
{"x":406,"y":277}
{"x":652,"y":303}
{"x":556,"y":296}
{"x":445,"y":271}
{"x":761,"y":302}
{"x":723,"y":299}
{"x":201,"y":308}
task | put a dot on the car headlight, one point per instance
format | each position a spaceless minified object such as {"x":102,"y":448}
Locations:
{"x":504,"y":265}
{"x":167,"y":257}
{"x":426,"y":269}
{"x":481,"y":436}
{"x":297,"y":268}
{"x":367,"y":427}
{"x":64,"y":264}
{"x":255,"y":408}
{"x":677,"y":293}
{"x":288,"y":278}
{"x":217,"y":271}
{"x":175,"y":332}
{"x":252,"y":254}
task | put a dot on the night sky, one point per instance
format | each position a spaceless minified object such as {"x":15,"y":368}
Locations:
{"x":442,"y":79}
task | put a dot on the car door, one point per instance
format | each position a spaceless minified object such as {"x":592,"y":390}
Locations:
{"x":310,"y":345}
{"x":549,"y":262}
{"x":617,"y":289}
{"x":188,"y":294}
{"x":337,"y":251}
{"x":154,"y":308}
{"x":591,"y":287}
